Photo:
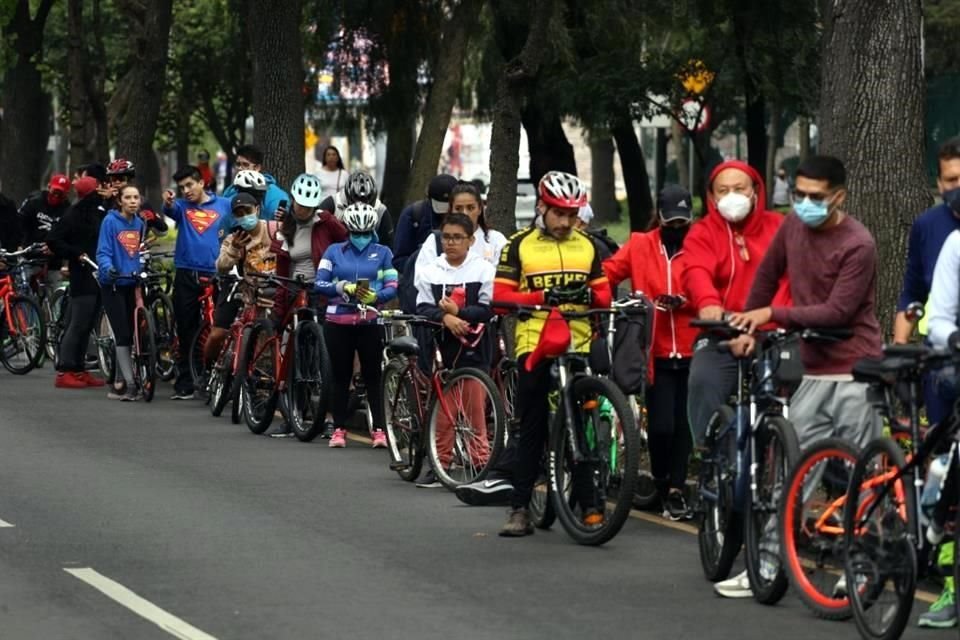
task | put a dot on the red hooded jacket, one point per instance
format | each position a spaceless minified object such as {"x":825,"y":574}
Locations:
{"x":717,"y":271}
{"x":644,"y":260}
{"x":326,"y":230}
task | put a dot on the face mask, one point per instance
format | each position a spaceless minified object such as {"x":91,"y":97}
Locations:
{"x":248,"y":223}
{"x":811,"y":213}
{"x":952,"y":199}
{"x":673,"y":235}
{"x":361,"y":240}
{"x":734,"y":207}
{"x":55,"y":198}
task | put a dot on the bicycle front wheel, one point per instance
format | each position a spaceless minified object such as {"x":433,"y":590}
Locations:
{"x":402,"y":413}
{"x":592,"y":492}
{"x":777,"y":452}
{"x":106,"y":347}
{"x":309,"y":382}
{"x":163,"y":321}
{"x":24,"y":344}
{"x":719,"y":525}
{"x":57,"y":309}
{"x":880,"y":566}
{"x":259,"y":378}
{"x":221,"y":378}
{"x":145,"y":358}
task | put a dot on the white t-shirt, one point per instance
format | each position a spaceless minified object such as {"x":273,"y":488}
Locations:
{"x":487,"y":246}
{"x":944,"y":292}
{"x":331,"y":181}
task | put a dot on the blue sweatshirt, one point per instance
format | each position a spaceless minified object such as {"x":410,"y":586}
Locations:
{"x":270,"y":201}
{"x":416,"y":222}
{"x":342,"y":264}
{"x":927,"y":235}
{"x":198,"y":232}
{"x":118,"y":248}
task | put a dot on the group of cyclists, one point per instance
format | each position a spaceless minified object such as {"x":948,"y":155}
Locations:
{"x":814,"y":268}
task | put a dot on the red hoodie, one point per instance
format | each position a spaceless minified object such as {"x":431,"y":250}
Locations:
{"x":716,"y":272}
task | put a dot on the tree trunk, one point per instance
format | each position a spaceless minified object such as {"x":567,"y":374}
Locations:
{"x":75,"y":66}
{"x":756,"y":130}
{"x":517,"y":76}
{"x":803,"y":131}
{"x":681,"y":149}
{"x":874,"y":122}
{"x":396,"y":168}
{"x":96,"y":80}
{"x":547,"y":142}
{"x":137,"y":106}
{"x":447,"y":76}
{"x":26,"y":108}
{"x":278,"y":78}
{"x":770,"y":171}
{"x":635,"y":178}
{"x":603,"y":184}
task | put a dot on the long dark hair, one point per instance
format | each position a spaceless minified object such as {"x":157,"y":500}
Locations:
{"x":471,"y":188}
{"x":323,"y":157}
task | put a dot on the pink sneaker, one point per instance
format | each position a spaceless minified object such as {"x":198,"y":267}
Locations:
{"x":379,"y":439}
{"x":339,"y":439}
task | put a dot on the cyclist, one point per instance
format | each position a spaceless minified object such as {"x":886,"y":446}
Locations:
{"x":361,"y":187}
{"x":653,"y":262}
{"x":246,"y":181}
{"x":548,"y":263}
{"x":198,"y":216}
{"x":355,"y":275}
{"x":250,"y":158}
{"x":455,"y":290}
{"x":487,"y":243}
{"x":419,"y":219}
{"x":73,"y":238}
{"x":38,"y":214}
{"x":830,"y":259}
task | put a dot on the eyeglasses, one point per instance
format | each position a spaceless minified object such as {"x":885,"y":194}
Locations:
{"x":742,"y":245}
{"x":453,"y":239}
{"x":815,"y":198}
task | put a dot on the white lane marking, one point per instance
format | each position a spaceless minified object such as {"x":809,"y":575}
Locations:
{"x":143,"y":608}
{"x":6,"y":525}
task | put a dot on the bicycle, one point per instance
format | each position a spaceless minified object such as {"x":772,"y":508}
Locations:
{"x":222,"y":373}
{"x":22,"y":330}
{"x":430,"y":417}
{"x":208,"y":307}
{"x":30,"y":276}
{"x":157,"y":299}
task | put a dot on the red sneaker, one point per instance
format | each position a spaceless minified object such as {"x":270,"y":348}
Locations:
{"x":91,"y":380}
{"x":70,"y":380}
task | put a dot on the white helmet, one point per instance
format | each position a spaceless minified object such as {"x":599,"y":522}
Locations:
{"x":248,"y":180}
{"x":306,"y":191}
{"x":360,"y":217}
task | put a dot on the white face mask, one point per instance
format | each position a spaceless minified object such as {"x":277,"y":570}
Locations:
{"x":734,"y":207}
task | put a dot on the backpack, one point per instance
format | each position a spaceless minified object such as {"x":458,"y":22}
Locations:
{"x":631,"y":351}
{"x":406,"y":289}
{"x":418,"y":213}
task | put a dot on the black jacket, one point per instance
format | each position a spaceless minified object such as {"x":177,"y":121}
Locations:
{"x":9,"y":224}
{"x":76,"y":234}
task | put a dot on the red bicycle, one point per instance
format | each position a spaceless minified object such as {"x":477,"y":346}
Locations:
{"x":23,"y":335}
{"x":208,"y":306}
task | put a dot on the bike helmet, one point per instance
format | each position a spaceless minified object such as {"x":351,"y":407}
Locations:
{"x":250,"y":181}
{"x":559,"y":189}
{"x":360,"y":217}
{"x":306,"y":191}
{"x":360,"y":187}
{"x":121,"y":167}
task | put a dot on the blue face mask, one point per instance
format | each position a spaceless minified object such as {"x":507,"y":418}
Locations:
{"x":248,"y":223}
{"x":812,"y":214}
{"x":361,"y":240}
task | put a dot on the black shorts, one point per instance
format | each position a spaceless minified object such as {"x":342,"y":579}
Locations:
{"x":227,"y":310}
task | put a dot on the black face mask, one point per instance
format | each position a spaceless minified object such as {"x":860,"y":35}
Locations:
{"x":952,"y":199}
{"x":673,"y":236}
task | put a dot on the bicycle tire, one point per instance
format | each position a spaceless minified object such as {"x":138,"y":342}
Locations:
{"x":542,"y":513}
{"x":778,"y":450}
{"x":221,"y":378}
{"x":197,"y":344}
{"x":466,"y":438}
{"x":57,"y":307}
{"x":719,"y":524}
{"x":145,"y":359}
{"x":164,"y":322}
{"x":259,"y":378}
{"x":588,"y":392}
{"x":106,"y":348}
{"x":882,"y":455}
{"x":795,"y":533}
{"x":29,"y":333}
{"x":402,"y":418}
{"x":645,"y":496}
{"x":309,"y":379}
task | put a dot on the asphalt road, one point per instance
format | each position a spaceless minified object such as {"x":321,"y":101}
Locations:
{"x":210,"y":531}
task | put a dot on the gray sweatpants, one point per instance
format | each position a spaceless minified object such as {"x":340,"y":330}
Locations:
{"x":828,"y":408}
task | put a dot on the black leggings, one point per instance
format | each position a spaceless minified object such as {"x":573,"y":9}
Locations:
{"x":668,"y":426}
{"x":119,"y":302}
{"x":83,"y":311}
{"x":343,"y":340}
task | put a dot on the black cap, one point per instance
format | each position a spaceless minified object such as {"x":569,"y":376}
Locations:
{"x":243,"y":199}
{"x":439,"y":192}
{"x":675,"y":203}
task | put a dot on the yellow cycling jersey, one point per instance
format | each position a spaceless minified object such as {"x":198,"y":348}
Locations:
{"x":534,"y":261}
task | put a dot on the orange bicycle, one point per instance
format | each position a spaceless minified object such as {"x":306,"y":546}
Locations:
{"x":23,"y":336}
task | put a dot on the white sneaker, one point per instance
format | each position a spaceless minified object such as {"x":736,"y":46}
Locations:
{"x":735,"y":587}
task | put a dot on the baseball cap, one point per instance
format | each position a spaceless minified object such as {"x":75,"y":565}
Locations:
{"x":59,"y":182}
{"x":243,"y":199}
{"x":439,"y":192}
{"x":675,"y":203}
{"x":585,"y":214}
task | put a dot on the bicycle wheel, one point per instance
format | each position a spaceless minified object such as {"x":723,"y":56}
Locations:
{"x":602,"y":482}
{"x":719,"y":525}
{"x":542,"y":513}
{"x":402,"y":413}
{"x":777,"y":451}
{"x":466,"y":426}
{"x":221,"y":378}
{"x":309,"y":382}
{"x":258,"y":375}
{"x":881,"y":563}
{"x":57,"y":306}
{"x":197,"y":344}
{"x":145,"y":359}
{"x":163,"y":321}
{"x":24,"y":342}
{"x":106,"y":347}
{"x":811,"y":526}
{"x":645,"y":496}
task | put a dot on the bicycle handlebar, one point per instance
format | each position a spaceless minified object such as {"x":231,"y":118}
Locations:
{"x":522,"y":309}
{"x":34,"y":248}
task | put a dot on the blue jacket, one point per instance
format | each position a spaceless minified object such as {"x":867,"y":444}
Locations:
{"x":270,"y":201}
{"x":118,"y":248}
{"x":341,"y":264}
{"x":927,"y":236}
{"x":416,"y":222}
{"x":198,"y":232}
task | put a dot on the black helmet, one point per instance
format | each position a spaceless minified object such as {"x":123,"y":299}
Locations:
{"x":361,"y":187}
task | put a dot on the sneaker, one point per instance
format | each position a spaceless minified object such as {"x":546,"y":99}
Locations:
{"x":283,"y":430}
{"x":675,"y":507}
{"x":379,"y":439}
{"x":183,"y":395}
{"x":92,"y":380}
{"x":480,"y":493}
{"x":429,"y":480}
{"x":518,"y":524}
{"x":328,"y":430}
{"x":69,"y":380}
{"x":736,"y":587}
{"x":134,"y":396}
{"x":339,"y":439}
{"x":942,"y":614}
{"x":116,"y":393}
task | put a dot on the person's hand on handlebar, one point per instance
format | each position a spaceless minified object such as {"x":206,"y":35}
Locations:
{"x":743,"y":346}
{"x":457,"y":326}
{"x":750,"y":321}
{"x":666,"y":302}
{"x":113,"y":273}
{"x":713,"y":313}
{"x":579,"y":294}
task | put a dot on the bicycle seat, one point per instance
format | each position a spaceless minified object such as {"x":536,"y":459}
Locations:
{"x":883,"y":370}
{"x":405,"y":345}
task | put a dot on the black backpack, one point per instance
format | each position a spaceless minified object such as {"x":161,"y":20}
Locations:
{"x":406,"y":291}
